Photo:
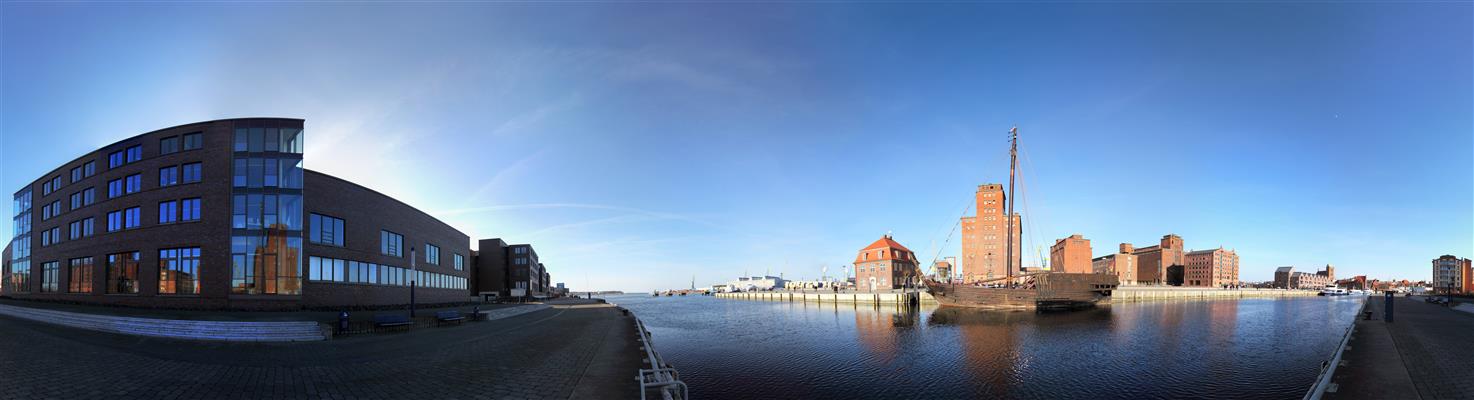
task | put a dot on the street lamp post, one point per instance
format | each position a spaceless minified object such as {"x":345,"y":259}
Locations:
{"x":413,"y":273}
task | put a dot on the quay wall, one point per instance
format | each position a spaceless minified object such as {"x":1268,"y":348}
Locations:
{"x":1125,"y":294}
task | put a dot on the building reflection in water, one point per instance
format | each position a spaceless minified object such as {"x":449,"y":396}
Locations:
{"x":989,"y":342}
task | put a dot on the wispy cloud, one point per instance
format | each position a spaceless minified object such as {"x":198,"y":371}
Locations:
{"x":533,"y":206}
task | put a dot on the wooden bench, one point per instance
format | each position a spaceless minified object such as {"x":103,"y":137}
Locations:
{"x":386,"y":321}
{"x":449,"y":316}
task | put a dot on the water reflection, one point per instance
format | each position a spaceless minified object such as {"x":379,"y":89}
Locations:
{"x":1207,"y":349}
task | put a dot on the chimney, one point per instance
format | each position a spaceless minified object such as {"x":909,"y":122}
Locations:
{"x":1126,"y":248}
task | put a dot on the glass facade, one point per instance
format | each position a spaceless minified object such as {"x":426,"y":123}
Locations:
{"x":266,"y":211}
{"x":325,"y":269}
{"x":18,"y":273}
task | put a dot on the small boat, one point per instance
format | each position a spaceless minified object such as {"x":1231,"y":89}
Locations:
{"x":1332,"y":290}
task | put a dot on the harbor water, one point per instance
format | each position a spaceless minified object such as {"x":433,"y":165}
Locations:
{"x":1232,"y":349}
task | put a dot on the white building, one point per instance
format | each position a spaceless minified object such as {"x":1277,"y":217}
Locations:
{"x":747,"y":284}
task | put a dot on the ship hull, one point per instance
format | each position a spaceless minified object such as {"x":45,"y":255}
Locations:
{"x":1042,"y":291}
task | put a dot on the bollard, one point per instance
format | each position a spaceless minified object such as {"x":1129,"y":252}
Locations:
{"x":1387,"y":313}
{"x":343,"y":321}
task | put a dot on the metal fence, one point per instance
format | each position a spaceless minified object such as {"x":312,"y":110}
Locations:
{"x":661,"y":377}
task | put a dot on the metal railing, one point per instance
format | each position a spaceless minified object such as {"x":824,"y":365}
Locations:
{"x":660,"y":376}
{"x":1328,"y":368}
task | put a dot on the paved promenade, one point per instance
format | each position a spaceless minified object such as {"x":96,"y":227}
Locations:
{"x":1427,"y":352}
{"x":573,"y":347}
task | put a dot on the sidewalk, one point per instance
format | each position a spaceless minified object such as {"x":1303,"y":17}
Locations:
{"x":1425,"y":353}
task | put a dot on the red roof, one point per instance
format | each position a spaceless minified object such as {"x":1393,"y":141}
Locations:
{"x":884,"y":243}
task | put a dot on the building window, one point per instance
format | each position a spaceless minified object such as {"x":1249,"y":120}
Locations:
{"x":114,"y":188}
{"x":130,"y":218}
{"x":179,"y":271}
{"x":134,"y":183}
{"x":76,"y":174}
{"x":122,"y":273}
{"x":76,"y":200}
{"x":88,"y":197}
{"x":114,"y":221}
{"x":79,"y":275}
{"x":432,"y":254}
{"x":391,"y":243}
{"x":460,"y":262}
{"x":194,"y":140}
{"x":45,"y":238}
{"x":135,"y":153}
{"x":89,"y":169}
{"x":168,"y":176}
{"x":168,"y":212}
{"x":46,"y":188}
{"x":50,"y":272}
{"x":189,"y":209}
{"x":20,"y":276}
{"x":191,"y":172}
{"x":115,"y":159}
{"x":169,"y":145}
{"x":325,"y":230}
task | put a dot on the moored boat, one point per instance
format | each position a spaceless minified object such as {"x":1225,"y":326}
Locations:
{"x":1040,"y":290}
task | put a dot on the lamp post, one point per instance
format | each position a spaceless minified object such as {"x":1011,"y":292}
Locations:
{"x":413,"y":273}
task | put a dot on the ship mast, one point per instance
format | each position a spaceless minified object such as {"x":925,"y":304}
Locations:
{"x":1008,"y":237}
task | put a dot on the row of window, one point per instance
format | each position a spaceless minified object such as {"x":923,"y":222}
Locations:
{"x":126,"y":156}
{"x":179,"y":270}
{"x":171,"y":211}
{"x":267,"y":173}
{"x":323,"y":269}
{"x":268,"y":140}
{"x":130,"y":155}
{"x":266,"y":211}
{"x":191,"y":141}
{"x":327,"y":230}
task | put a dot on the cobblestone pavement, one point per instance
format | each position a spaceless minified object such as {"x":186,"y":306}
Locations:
{"x":1437,"y":346}
{"x":1427,"y":352}
{"x":540,"y":355}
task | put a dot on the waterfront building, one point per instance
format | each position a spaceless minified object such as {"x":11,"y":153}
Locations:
{"x":884,"y":265}
{"x":1071,"y":254}
{"x":1154,"y":262}
{"x":754,"y":283}
{"x":1450,"y":274}
{"x":944,"y":268}
{"x":1287,"y":278}
{"x":1122,"y":265}
{"x":223,"y":215}
{"x":1212,"y":268}
{"x":509,"y":270}
{"x":985,"y":236}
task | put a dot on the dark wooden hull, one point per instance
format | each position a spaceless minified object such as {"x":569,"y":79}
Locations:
{"x":1045,"y":290}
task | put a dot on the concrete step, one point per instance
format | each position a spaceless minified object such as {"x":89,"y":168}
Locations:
{"x":275,"y":331}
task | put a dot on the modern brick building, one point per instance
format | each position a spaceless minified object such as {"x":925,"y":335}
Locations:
{"x":884,"y":265}
{"x":1071,"y":254}
{"x":509,"y":270}
{"x":1211,"y":268}
{"x":1122,"y":264}
{"x":1451,"y":275}
{"x":984,"y":239}
{"x":1153,"y":262}
{"x":222,"y":215}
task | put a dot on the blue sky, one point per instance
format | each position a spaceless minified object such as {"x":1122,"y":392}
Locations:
{"x":638,"y":145}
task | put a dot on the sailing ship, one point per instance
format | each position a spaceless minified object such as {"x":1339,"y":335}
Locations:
{"x":1035,"y":290}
